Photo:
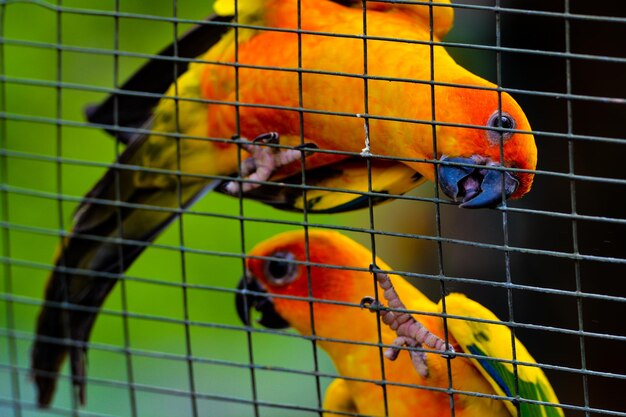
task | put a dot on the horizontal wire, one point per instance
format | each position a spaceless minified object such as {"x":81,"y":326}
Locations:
{"x":565,"y":16}
{"x":320,"y":374}
{"x":482,"y":245}
{"x":272,"y":368}
{"x":42,"y":119}
{"x":116,"y":165}
{"x":122,"y":241}
{"x":21,"y":335}
{"x":26,"y":405}
{"x":150,"y":317}
{"x":457,"y":280}
{"x":501,"y":10}
{"x":107,"y":52}
{"x":118,"y":203}
{"x":114,"y":203}
{"x":122,"y":129}
{"x":164,"y":390}
{"x":203,"y":360}
{"x":119,"y":349}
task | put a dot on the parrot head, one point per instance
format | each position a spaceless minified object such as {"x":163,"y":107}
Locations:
{"x":278,"y":283}
{"x":493,"y":134}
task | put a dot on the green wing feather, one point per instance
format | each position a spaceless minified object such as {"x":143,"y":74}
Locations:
{"x":491,"y":342}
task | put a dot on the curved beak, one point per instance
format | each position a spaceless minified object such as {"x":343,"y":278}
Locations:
{"x":251,"y":295}
{"x":475,"y":187}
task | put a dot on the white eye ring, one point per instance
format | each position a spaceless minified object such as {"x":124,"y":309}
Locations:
{"x":500,"y":120}
{"x":281,"y":272}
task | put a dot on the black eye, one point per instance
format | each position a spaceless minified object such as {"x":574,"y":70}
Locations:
{"x":500,"y":120}
{"x":281,"y":272}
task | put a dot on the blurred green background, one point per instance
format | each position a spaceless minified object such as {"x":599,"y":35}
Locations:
{"x":156,"y":338}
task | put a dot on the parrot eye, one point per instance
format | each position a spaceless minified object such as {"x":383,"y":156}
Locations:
{"x":500,"y":120}
{"x":281,"y":272}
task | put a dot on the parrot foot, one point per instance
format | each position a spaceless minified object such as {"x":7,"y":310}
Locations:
{"x":411,"y":333}
{"x":263,"y":162}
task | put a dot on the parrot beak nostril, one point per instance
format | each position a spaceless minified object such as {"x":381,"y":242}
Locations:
{"x":474,"y":187}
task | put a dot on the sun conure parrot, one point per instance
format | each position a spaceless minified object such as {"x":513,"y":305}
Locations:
{"x":190,"y":112}
{"x":278,"y":285}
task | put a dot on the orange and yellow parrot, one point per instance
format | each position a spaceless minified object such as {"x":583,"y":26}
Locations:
{"x":308,"y":88}
{"x":482,"y":376}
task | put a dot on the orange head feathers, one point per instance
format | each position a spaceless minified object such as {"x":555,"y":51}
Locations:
{"x":287,"y":274}
{"x":493,"y":131}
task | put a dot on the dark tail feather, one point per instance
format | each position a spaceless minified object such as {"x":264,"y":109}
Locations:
{"x":129,"y":107}
{"x":85,"y":274}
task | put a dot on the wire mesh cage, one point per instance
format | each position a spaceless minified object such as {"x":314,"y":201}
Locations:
{"x":168,"y":340}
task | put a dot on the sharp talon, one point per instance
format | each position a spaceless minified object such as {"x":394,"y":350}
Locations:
{"x":367,"y":302}
{"x":392,"y":353}
{"x":419,"y":362}
{"x":450,"y":353}
{"x":373,"y":267}
{"x":226,"y":187}
{"x":235,"y":137}
{"x":269,"y":137}
{"x":308,"y":145}
{"x":308,"y":148}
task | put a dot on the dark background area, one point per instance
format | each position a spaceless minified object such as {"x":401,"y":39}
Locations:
{"x":597,"y":77}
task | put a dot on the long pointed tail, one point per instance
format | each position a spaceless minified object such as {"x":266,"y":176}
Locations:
{"x":106,"y":239}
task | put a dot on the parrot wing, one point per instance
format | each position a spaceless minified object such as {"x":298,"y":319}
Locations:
{"x":387,"y":177}
{"x":490,"y":342}
{"x":127,"y":203}
{"x":88,"y":253}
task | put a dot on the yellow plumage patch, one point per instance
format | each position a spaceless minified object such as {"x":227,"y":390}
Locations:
{"x":247,"y":10}
{"x":490,"y":342}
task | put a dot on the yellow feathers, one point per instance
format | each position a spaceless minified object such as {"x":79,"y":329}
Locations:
{"x":495,"y":341}
{"x":246,"y":10}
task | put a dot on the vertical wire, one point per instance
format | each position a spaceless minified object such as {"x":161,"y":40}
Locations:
{"x":67,"y":307}
{"x":505,"y":223}
{"x":130,"y":379}
{"x":305,"y":220}
{"x":370,"y":203}
{"x":181,"y":228}
{"x":6,"y":241}
{"x":572,"y":187}
{"x":253,"y":384}
{"x":442,"y":274}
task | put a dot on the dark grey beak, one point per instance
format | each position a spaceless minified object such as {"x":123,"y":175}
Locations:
{"x":475,"y":187}
{"x":252,"y":295}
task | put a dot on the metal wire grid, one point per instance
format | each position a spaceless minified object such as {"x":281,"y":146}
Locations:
{"x":21,"y":405}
